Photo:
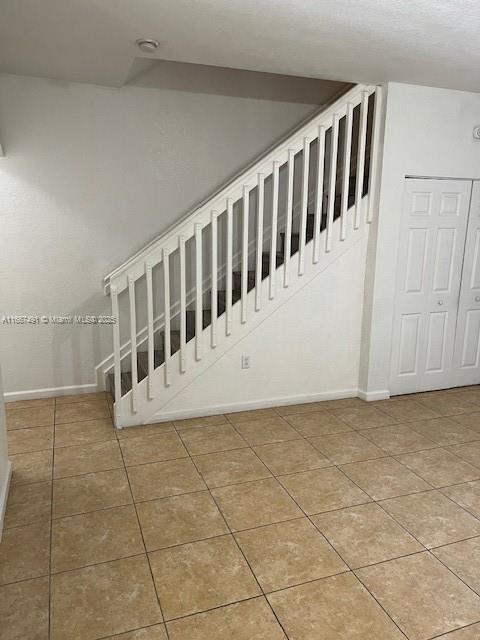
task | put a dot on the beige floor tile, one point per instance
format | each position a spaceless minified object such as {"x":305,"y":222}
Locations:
{"x":145,"y":430}
{"x":81,"y":397}
{"x":248,"y":620}
{"x":384,"y":478}
{"x":471,"y":632}
{"x":290,"y":457}
{"x":78,"y":411}
{"x":469,"y":452}
{"x":205,"y":574}
{"x":155,"y":632}
{"x":104,"y":599}
{"x":449,"y":404}
{"x":432,"y":518}
{"x":318,"y":423}
{"x":221,"y":437}
{"x":364,"y":417}
{"x":440,"y":467}
{"x":365,"y":535}
{"x":426,"y":607}
{"x":36,"y":466}
{"x":469,"y":420}
{"x":205,"y":421}
{"x":164,"y":479}
{"x":152,"y":448}
{"x":29,"y":404}
{"x":25,"y":552}
{"x":266,"y":431}
{"x":254,"y":414}
{"x":466,"y":495}
{"x":229,"y":467}
{"x":336,"y":608}
{"x":180,"y":519}
{"x":407,"y":410}
{"x":81,"y":494}
{"x":398,"y":438}
{"x":463,"y":558}
{"x":90,"y":538}
{"x":444,"y":431}
{"x":24,"y":610}
{"x":28,"y":503}
{"x":26,"y":440}
{"x":289,"y":553}
{"x":297,"y":409}
{"x":38,"y":416}
{"x":86,"y":458}
{"x":253,"y":504}
{"x":341,"y":448}
{"x":323,"y":490}
{"x":85,"y":432}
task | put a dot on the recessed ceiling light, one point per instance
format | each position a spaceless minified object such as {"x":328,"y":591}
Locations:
{"x":147,"y":45}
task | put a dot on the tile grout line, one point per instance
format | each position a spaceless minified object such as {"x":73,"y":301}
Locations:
{"x":262,"y":593}
{"x":143,"y":541}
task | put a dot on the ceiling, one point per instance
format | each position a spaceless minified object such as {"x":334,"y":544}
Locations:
{"x":428,"y":42}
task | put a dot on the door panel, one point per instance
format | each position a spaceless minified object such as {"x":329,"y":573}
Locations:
{"x":432,"y":242}
{"x":467,"y":347}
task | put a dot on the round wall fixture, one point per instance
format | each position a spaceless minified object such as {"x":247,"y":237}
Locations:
{"x":147,"y":45}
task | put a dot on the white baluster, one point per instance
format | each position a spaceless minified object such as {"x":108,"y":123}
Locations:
{"x":288,"y":222}
{"x":374,"y":154}
{"x":273,"y":246}
{"x":362,"y":138}
{"x":117,"y":369}
{"x":259,"y":265}
{"x":133,"y":341}
{"x":319,"y":193}
{"x":198,"y":291}
{"x":214,"y":287}
{"x":304,"y":207}
{"x":166,"y":291}
{"x":228,"y":302}
{"x":244,"y":275}
{"x":183,"y":306}
{"x":151,"y":346}
{"x":346,"y":170}
{"x":332,"y":183}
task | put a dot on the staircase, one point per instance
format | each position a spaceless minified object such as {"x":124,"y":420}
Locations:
{"x":181,"y":302}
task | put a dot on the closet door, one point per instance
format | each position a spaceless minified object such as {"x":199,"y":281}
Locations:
{"x":432,"y":240}
{"x":467,"y":340}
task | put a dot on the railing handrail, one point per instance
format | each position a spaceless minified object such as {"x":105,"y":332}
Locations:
{"x":324,"y":110}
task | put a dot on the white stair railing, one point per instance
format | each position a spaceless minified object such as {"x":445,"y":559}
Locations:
{"x":213,"y":291}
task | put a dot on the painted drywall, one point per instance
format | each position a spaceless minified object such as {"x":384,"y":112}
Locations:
{"x":5,"y":465}
{"x":428,"y":132}
{"x":92,"y":173}
{"x":295,"y":356}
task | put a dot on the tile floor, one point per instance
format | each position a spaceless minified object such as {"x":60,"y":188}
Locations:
{"x":329,"y":521}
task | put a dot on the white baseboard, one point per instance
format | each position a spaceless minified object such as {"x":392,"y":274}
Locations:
{"x":33,"y":394}
{"x":4,"y":496}
{"x":266,"y":403}
{"x":372,"y":396}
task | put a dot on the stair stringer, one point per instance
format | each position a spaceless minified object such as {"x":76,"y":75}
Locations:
{"x":149,"y":410}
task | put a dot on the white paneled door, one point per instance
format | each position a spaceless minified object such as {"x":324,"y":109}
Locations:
{"x":467,"y":340}
{"x":432,"y":243}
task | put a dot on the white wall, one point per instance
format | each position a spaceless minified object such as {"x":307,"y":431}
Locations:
{"x":92,"y":173}
{"x":307,"y":350}
{"x":428,"y":132}
{"x":5,"y":465}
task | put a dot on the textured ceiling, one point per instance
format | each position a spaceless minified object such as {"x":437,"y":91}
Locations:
{"x":432,"y":42}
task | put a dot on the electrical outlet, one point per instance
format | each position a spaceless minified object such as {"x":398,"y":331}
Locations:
{"x":245,"y":362}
